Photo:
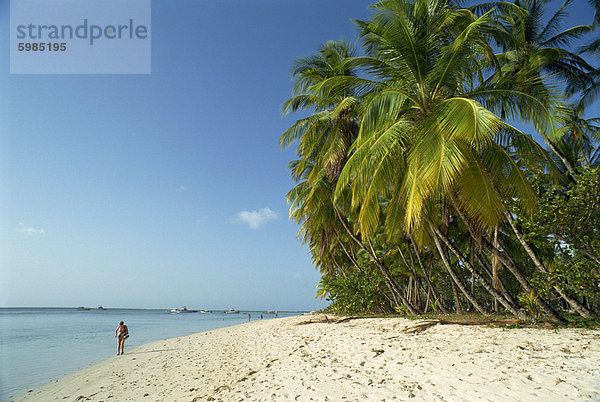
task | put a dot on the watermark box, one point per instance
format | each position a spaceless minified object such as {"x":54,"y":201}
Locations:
{"x":80,"y":37}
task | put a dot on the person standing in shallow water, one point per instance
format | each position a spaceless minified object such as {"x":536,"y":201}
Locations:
{"x":121,"y":333}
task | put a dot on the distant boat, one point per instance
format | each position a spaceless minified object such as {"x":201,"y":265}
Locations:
{"x":101,"y":308}
{"x":184,"y":309}
{"x":83,"y":308}
{"x":232,"y":311}
{"x":205,"y":311}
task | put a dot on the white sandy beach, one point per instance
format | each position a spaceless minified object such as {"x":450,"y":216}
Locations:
{"x":363,"y":359}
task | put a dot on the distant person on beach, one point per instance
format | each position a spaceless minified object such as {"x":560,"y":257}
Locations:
{"x":121,"y":333}
{"x":276,"y":314}
{"x":248,"y":317}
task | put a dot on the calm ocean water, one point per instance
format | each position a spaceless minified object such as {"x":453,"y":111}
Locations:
{"x":40,"y":344}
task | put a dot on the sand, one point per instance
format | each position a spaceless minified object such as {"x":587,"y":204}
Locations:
{"x":363,"y":359}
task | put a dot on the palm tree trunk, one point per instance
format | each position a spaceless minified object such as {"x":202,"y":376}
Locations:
{"x":495,"y":279}
{"x":396,"y":293}
{"x":427,"y":277}
{"x":508,"y":263}
{"x":583,"y":250}
{"x":453,"y":274}
{"x":574,"y":303}
{"x":350,"y":256}
{"x":419,"y":285}
{"x":495,"y":294}
{"x":562,"y":157}
{"x":457,"y":306}
{"x":392,"y":283}
{"x":338,"y":268}
{"x":392,"y":301}
{"x":414,"y":289}
{"x":483,"y":262}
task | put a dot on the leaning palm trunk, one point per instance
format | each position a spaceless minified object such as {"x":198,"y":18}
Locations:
{"x":483,"y":262}
{"x":562,"y":157}
{"x":338,"y":269}
{"x":414,"y":290}
{"x":453,"y":274}
{"x":444,"y":250}
{"x":396,"y":293}
{"x":350,"y":256}
{"x":430,"y":284}
{"x":504,"y":260}
{"x":574,"y":303}
{"x":508,"y":263}
{"x":580,"y":308}
{"x":418,"y":284}
{"x":495,"y":279}
{"x":495,"y":294}
{"x":457,"y":306}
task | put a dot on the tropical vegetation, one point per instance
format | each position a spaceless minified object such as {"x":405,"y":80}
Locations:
{"x":451,"y":161}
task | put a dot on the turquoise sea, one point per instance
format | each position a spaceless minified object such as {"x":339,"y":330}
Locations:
{"x":40,"y":344}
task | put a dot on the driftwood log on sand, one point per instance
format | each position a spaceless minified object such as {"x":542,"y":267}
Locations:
{"x":420,"y":327}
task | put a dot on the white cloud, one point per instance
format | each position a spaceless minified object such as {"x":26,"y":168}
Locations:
{"x":255,"y":219}
{"x":29,"y":230}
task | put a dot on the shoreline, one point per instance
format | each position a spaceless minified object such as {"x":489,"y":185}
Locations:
{"x":369,"y":358}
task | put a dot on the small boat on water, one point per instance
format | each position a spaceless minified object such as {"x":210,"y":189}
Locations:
{"x":101,"y":308}
{"x":83,"y":308}
{"x":205,"y":311}
{"x":232,"y":311}
{"x":184,"y":309}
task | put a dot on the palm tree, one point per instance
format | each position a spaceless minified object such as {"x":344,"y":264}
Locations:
{"x":417,"y":148}
{"x":326,"y":135}
{"x":579,"y":138}
{"x":590,"y":94}
{"x":325,"y":138}
{"x":425,"y":136}
{"x":535,"y":56}
{"x":534,"y":48}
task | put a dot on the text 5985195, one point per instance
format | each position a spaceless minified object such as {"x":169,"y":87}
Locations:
{"x":42,"y":47}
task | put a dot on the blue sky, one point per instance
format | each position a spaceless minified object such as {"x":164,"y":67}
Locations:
{"x":126,"y":190}
{"x":166,"y":189}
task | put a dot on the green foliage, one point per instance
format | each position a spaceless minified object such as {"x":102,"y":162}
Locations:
{"x":435,"y":307}
{"x":566,"y":227}
{"x":572,"y":213}
{"x":352,"y":293}
{"x":529,"y":301}
{"x":576,"y":321}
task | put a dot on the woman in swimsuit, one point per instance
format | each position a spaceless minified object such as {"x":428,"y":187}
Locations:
{"x":122,"y":332}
